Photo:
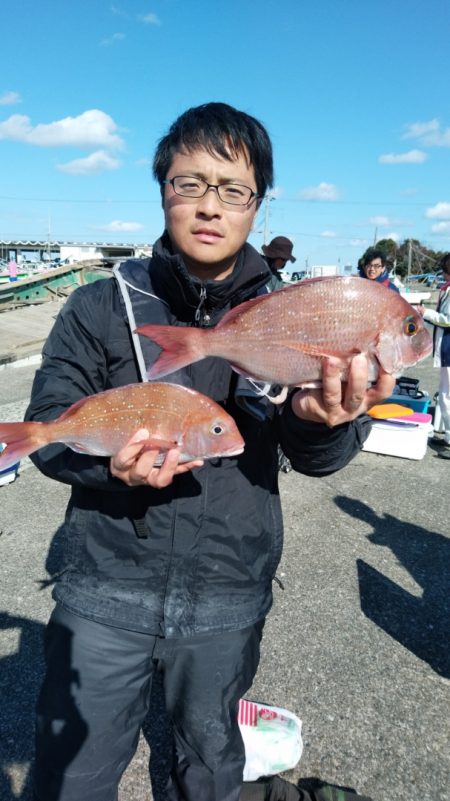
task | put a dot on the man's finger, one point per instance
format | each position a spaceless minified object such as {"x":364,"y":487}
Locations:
{"x":124,"y":458}
{"x":356,"y":388}
{"x":331,"y":383}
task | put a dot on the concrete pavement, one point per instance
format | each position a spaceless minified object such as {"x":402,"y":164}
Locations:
{"x":356,"y":644}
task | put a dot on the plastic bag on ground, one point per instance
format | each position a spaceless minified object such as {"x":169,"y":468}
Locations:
{"x":272,"y":739}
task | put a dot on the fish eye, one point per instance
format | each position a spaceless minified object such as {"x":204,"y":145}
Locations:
{"x":217,"y":429}
{"x":410,"y":327}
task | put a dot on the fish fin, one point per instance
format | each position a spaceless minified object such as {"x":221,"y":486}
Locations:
{"x":75,"y":446}
{"x":180,"y":346}
{"x":315,"y":350}
{"x":242,"y":307}
{"x":156,"y":444}
{"x":20,"y":439}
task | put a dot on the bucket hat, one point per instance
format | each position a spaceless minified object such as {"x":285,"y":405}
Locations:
{"x":279,"y":248}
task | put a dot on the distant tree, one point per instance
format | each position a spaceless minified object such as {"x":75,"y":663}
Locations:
{"x":423,"y":259}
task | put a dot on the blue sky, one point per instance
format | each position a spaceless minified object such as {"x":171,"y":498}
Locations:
{"x":354,"y":93}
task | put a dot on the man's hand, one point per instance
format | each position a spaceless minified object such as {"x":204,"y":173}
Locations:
{"x":135,"y":465}
{"x":335,"y":402}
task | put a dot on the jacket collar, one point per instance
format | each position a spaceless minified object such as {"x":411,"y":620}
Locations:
{"x":185,"y":294}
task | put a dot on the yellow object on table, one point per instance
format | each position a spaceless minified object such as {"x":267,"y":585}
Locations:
{"x":382,"y":411}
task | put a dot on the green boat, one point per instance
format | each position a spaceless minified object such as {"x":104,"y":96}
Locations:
{"x":55,"y":283}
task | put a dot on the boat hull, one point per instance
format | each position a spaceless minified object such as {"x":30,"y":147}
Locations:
{"x":55,"y":283}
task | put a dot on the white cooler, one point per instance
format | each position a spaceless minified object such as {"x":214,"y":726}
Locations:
{"x":405,"y":437}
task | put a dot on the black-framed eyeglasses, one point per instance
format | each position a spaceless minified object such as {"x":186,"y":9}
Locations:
{"x":191,"y":186}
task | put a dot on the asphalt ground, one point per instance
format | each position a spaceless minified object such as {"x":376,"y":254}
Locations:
{"x":357,"y":643}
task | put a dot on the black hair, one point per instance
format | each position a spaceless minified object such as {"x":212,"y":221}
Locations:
{"x":221,"y":130}
{"x":372,"y":254}
{"x":444,"y":263}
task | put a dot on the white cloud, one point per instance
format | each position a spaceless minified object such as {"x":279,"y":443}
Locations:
{"x":94,"y":163}
{"x":417,"y":130}
{"x":323,"y":191}
{"x":393,"y":235}
{"x":428,"y":133}
{"x":120,"y":225}
{"x":441,"y":228}
{"x":380,"y":220}
{"x":358,"y":242}
{"x":149,"y":19}
{"x":10,"y":99}
{"x":328,"y":234}
{"x":93,"y":128}
{"x":116,"y":37}
{"x":440,"y":211}
{"x":411,"y":157}
{"x":119,"y":12}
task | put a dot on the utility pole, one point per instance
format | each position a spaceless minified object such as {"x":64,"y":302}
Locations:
{"x":375,"y":237}
{"x":266,"y":231}
{"x":409,"y":259}
{"x":48,"y":239}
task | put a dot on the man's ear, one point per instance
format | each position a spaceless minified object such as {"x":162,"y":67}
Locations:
{"x":255,"y":215}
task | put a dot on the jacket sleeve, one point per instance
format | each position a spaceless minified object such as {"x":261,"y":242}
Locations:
{"x":317,"y":450}
{"x":440,"y":318}
{"x":74,"y":365}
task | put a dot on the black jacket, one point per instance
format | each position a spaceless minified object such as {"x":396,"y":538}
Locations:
{"x":201,"y":554}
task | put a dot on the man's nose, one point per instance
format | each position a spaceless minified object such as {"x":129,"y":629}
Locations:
{"x":210,"y":202}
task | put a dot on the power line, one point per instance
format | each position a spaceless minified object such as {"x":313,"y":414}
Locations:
{"x":73,"y":200}
{"x":280,"y":200}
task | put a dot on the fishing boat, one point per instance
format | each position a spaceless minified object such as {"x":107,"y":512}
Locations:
{"x":57,"y":282}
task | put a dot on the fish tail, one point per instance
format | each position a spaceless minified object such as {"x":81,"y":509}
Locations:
{"x":180,"y":347}
{"x":20,"y":439}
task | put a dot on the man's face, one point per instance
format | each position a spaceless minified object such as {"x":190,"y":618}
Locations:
{"x":207,"y":232}
{"x":373,"y":269}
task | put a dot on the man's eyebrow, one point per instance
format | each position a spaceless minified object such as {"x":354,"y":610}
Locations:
{"x":222,"y":179}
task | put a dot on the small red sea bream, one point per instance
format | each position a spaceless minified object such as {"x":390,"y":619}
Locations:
{"x":102,"y":424}
{"x":282,"y":337}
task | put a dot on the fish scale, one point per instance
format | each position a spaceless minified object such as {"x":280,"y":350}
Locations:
{"x":102,"y":424}
{"x":283,"y":337}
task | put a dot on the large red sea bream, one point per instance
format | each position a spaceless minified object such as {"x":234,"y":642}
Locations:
{"x":282,"y":337}
{"x":102,"y":424}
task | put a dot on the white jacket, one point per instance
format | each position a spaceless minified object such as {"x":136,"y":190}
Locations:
{"x":441,"y":319}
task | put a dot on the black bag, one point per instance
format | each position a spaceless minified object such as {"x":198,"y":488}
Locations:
{"x":277,"y":789}
{"x":408,"y":386}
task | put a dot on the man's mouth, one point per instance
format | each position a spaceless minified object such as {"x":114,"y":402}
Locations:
{"x":207,"y":235}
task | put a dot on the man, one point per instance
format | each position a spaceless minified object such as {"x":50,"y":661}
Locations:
{"x":440,"y":319}
{"x":277,"y":253}
{"x":374,"y":268}
{"x":171,"y":568}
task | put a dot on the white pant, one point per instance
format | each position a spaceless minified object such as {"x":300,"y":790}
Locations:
{"x":442,"y":413}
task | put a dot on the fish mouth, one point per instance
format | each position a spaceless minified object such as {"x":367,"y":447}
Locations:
{"x":233,"y":451}
{"x":236,"y":451}
{"x":187,"y":457}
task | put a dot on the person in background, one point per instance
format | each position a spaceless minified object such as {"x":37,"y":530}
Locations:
{"x":12,"y":270}
{"x":440,"y":319}
{"x":169,"y":568}
{"x":277,"y":253}
{"x":374,"y":268}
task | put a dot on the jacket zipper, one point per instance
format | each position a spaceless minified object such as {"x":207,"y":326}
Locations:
{"x":201,"y":315}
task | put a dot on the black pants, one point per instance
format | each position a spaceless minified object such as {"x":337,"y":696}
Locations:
{"x":96,"y":694}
